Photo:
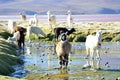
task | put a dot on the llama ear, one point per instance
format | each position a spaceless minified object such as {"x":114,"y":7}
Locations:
{"x":61,"y":32}
{"x":66,"y":33}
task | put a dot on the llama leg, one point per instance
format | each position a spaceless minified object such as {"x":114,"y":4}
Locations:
{"x":87,"y":65}
{"x":98,"y":64}
{"x":60,"y":61}
{"x":87,"y":51}
{"x":98,"y":53}
{"x":23,"y":45}
{"x":66,"y":60}
{"x":92,"y":63}
{"x":91,"y":53}
{"x":19,"y":44}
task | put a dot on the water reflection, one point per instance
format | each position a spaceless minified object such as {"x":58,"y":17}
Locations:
{"x":28,"y":51}
{"x":65,"y":73}
{"x":44,"y":59}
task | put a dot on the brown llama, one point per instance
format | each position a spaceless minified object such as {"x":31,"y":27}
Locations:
{"x":19,"y":37}
{"x":63,"y":49}
{"x":19,"y":28}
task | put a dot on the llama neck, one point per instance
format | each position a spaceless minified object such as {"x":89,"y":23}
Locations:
{"x":69,"y":15}
{"x":70,"y":31}
{"x":48,"y":15}
{"x":63,"y":41}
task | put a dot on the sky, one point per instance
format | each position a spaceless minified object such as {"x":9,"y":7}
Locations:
{"x":60,"y":7}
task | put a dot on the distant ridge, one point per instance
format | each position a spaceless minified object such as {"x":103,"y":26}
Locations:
{"x":59,"y":7}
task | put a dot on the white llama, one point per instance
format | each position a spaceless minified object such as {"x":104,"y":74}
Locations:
{"x":34,"y":21}
{"x":23,"y":17}
{"x":11,"y":24}
{"x":36,"y":30}
{"x":51,"y":20}
{"x":69,"y":19}
{"x":93,"y":43}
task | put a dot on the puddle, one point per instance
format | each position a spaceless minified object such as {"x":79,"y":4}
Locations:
{"x":41,"y":62}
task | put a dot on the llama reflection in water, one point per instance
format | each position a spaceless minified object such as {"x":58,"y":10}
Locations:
{"x":65,"y":73}
{"x":93,"y":64}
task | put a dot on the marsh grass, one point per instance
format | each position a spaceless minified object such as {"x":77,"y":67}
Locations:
{"x":8,"y":56}
{"x":80,"y":36}
{"x":9,"y":78}
{"x":4,"y":34}
{"x":81,"y":75}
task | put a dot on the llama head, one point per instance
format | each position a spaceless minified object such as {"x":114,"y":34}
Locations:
{"x":20,"y":13}
{"x":73,"y":29}
{"x":69,"y":12}
{"x":35,"y":15}
{"x":48,"y":12}
{"x":99,"y":35}
{"x":63,"y":35}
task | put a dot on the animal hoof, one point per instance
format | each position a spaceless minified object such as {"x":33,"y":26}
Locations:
{"x":65,"y":67}
{"x":86,"y":66}
{"x":98,"y":58}
{"x":86,"y":57}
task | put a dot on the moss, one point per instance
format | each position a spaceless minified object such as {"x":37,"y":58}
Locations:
{"x":32,"y":37}
{"x":79,"y":38}
{"x":5,"y":68}
{"x":116,"y":38}
{"x":8,"y":57}
{"x":71,"y":37}
{"x":8,"y":78}
{"x":5,"y":34}
{"x":50,"y":36}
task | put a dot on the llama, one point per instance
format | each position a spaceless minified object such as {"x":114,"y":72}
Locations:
{"x":34,"y":21}
{"x":59,"y":29}
{"x":35,"y":30}
{"x":15,"y":37}
{"x":19,"y":37}
{"x":23,"y":17}
{"x":93,"y":43}
{"x":11,"y":25}
{"x":19,"y":28}
{"x":69,"y":19}
{"x":63,"y":49}
{"x":51,"y":20}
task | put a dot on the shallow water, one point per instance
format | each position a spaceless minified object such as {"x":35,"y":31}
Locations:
{"x":42,"y":63}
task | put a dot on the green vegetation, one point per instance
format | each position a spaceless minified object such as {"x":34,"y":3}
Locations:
{"x":8,"y":78}
{"x":80,"y":36}
{"x":8,"y":56}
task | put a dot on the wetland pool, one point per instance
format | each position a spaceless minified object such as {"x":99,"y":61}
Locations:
{"x":40,"y":60}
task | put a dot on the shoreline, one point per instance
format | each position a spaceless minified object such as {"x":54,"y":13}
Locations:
{"x":76,"y":18}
